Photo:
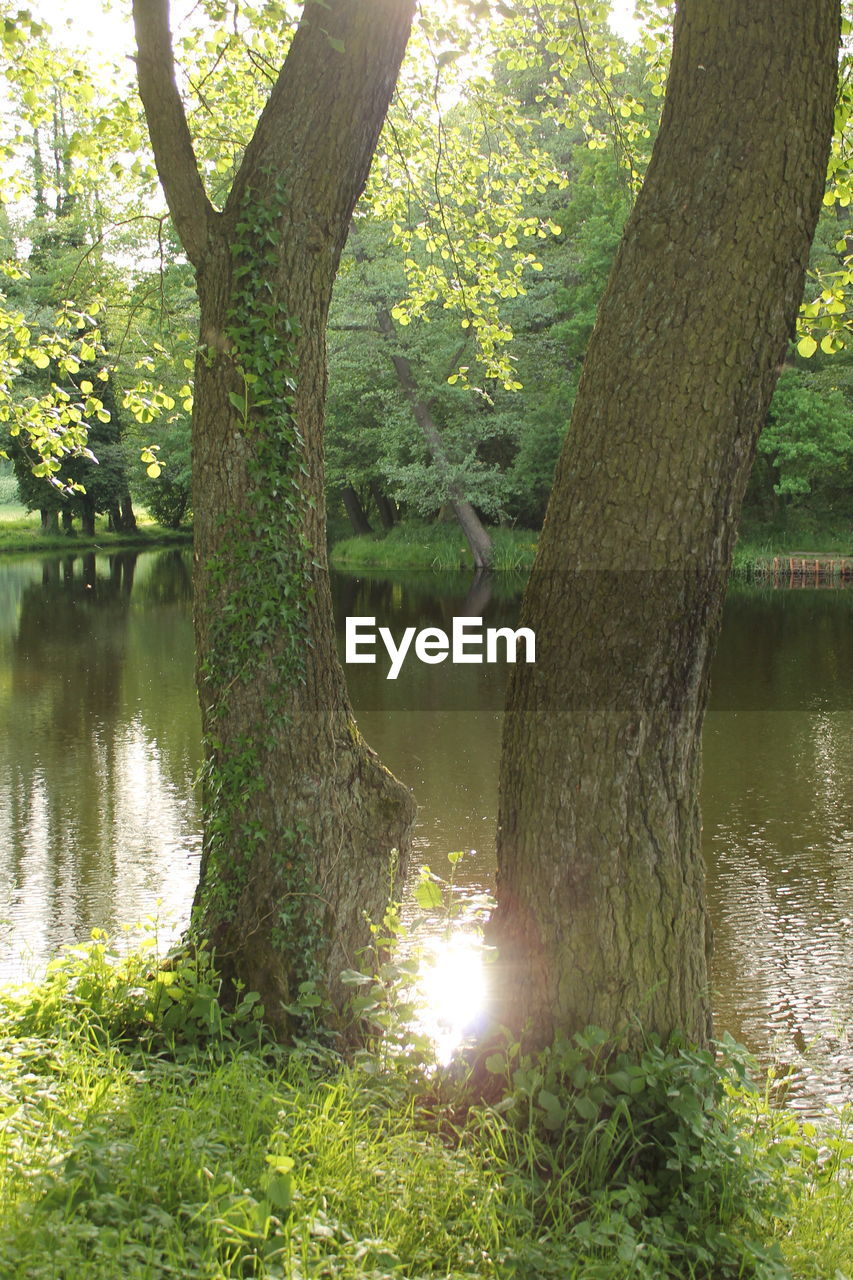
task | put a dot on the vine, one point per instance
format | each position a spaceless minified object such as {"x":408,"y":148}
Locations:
{"x":261,"y":586}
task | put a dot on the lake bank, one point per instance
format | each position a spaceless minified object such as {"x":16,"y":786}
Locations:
{"x":443,"y":547}
{"x":22,"y":534}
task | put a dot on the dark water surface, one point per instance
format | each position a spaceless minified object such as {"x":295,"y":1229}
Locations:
{"x":99,"y":743}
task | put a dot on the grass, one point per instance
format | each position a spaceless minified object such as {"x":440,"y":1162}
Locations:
{"x":146,"y":1133}
{"x":21,"y":531}
{"x":430,"y":546}
{"x":443,"y":547}
{"x":758,"y":547}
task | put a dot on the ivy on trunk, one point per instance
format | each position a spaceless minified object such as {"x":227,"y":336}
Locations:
{"x":301,"y":821}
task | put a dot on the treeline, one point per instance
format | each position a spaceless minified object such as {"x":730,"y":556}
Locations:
{"x":494,"y":233}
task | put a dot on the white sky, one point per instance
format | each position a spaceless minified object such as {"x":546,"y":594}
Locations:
{"x":110,"y":24}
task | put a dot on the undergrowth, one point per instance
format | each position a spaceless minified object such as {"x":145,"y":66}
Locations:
{"x":432,"y":546}
{"x":758,"y":546}
{"x":443,"y":547}
{"x":148,"y":1132}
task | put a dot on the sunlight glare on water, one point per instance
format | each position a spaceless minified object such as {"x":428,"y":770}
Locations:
{"x":452,"y":990}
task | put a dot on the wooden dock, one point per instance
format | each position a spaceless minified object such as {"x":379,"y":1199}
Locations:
{"x":812,"y":569}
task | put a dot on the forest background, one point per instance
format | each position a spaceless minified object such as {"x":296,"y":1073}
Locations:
{"x":463,"y":306}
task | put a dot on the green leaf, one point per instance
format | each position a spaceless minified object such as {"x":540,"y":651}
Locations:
{"x":807,"y":346}
{"x":586,"y":1108}
{"x":555,"y":1112}
{"x":427,"y":895}
{"x":278,"y":1189}
{"x":353,"y":978}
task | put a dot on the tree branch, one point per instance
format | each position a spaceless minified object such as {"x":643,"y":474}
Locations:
{"x":330,"y":94}
{"x":174,"y":156}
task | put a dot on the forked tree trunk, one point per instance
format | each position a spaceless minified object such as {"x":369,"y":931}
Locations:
{"x":601,"y":913}
{"x":300,"y":817}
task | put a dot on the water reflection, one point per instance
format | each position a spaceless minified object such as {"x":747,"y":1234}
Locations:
{"x":779,"y":843}
{"x":100,"y":743}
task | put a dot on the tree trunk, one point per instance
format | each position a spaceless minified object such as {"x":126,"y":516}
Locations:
{"x":476,"y":534}
{"x":87,"y":519}
{"x":355,"y":511}
{"x":301,"y":821}
{"x":384,"y":506}
{"x":127,"y":513}
{"x":479,"y":541}
{"x":601,"y":915}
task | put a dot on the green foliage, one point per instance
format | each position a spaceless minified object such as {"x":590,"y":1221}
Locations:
{"x":46,"y":426}
{"x":132,"y":999}
{"x":808,"y":439}
{"x":501,"y":445}
{"x":167,"y":494}
{"x":137,"y":1150}
{"x":675,"y":1179}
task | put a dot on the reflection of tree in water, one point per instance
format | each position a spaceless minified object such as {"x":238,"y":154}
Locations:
{"x":784,"y":650}
{"x":419,"y":600}
{"x":169,"y":580}
{"x":93,"y":795}
{"x":66,"y":669}
{"x":68,"y":654}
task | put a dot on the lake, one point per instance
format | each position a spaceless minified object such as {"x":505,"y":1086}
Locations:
{"x":99,"y":824}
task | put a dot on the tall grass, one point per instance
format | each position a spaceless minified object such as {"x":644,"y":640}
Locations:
{"x":757,"y":547}
{"x":148,"y":1133}
{"x":440,"y":547}
{"x":443,"y":547}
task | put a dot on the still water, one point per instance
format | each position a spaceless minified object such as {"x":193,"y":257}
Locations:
{"x":99,"y":744}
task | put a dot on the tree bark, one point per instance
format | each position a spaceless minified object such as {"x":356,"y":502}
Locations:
{"x":127,"y":513}
{"x":301,"y":819}
{"x":87,"y":517}
{"x":601,"y":915}
{"x":355,"y":510}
